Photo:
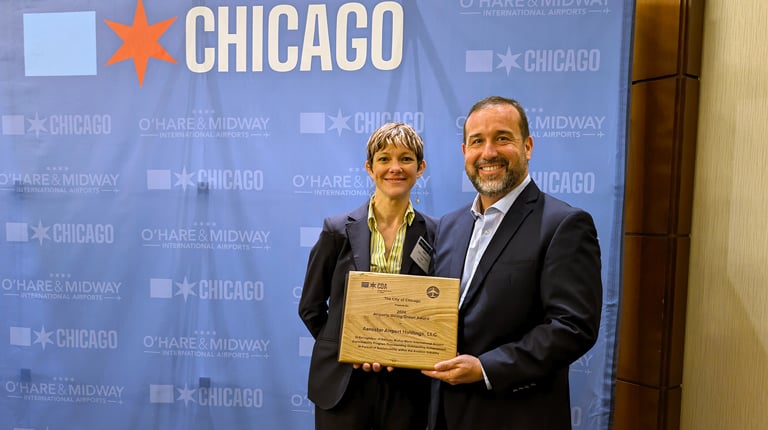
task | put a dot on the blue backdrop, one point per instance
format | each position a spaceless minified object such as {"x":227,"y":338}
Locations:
{"x":165,"y":166}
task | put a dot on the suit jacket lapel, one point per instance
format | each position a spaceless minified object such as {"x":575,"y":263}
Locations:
{"x":458,"y":253}
{"x":360,"y":238}
{"x":506,"y":231}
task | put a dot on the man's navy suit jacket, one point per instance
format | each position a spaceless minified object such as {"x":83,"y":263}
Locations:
{"x":532,"y":308}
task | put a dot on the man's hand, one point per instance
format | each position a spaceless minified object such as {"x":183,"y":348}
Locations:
{"x":462,"y":369}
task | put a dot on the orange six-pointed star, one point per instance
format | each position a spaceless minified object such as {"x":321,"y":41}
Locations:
{"x":140,"y":41}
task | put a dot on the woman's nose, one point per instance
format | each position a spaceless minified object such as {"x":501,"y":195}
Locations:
{"x":395,"y":166}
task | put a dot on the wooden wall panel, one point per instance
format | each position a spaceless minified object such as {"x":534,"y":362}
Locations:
{"x":651,"y":155}
{"x":694,"y":36}
{"x":635,"y":406}
{"x":642,"y":313}
{"x":656,"y":44}
{"x":658,"y":210}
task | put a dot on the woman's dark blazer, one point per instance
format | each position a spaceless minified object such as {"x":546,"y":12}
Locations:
{"x":343,"y":246}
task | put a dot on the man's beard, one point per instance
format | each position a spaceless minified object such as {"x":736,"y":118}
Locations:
{"x":500,"y":186}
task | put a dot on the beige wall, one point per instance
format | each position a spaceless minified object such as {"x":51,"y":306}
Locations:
{"x":725,"y":376}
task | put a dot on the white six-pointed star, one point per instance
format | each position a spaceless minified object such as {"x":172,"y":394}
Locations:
{"x":184,"y":179}
{"x":186,"y":394}
{"x":186,"y":288}
{"x":339,"y":122}
{"x":43,"y":337}
{"x":37,"y":125}
{"x":508,"y":60}
{"x":40,"y":232}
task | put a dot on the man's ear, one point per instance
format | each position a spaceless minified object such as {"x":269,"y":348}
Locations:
{"x":528,"y":148}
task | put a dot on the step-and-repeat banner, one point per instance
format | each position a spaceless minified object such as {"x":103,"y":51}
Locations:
{"x":165,"y":166}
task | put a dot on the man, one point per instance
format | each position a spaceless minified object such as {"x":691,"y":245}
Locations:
{"x":531,"y":289}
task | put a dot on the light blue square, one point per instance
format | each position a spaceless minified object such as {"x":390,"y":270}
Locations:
{"x":478,"y":61}
{"x":60,"y":44}
{"x":158,"y":179}
{"x":21,"y":336}
{"x":13,"y":125}
{"x":161,"y":393}
{"x":160,"y":288}
{"x":16,"y":232}
{"x":311,"y":123}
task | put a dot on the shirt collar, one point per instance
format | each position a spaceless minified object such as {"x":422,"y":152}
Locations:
{"x":410,"y":213}
{"x":504,"y":203}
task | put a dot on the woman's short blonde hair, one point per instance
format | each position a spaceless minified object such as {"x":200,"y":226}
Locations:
{"x":398,"y":134}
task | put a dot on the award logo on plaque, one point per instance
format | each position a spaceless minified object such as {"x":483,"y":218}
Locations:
{"x":399,"y":320}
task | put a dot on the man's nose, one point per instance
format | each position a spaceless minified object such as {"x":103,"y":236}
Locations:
{"x":489,"y":150}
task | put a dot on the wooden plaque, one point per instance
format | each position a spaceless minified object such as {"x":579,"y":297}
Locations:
{"x":399,"y":320}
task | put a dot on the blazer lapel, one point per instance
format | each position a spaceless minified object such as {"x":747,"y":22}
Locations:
{"x":506,"y":231}
{"x":360,"y":238}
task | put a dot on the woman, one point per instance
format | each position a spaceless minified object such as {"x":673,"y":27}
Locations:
{"x":379,"y":236}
